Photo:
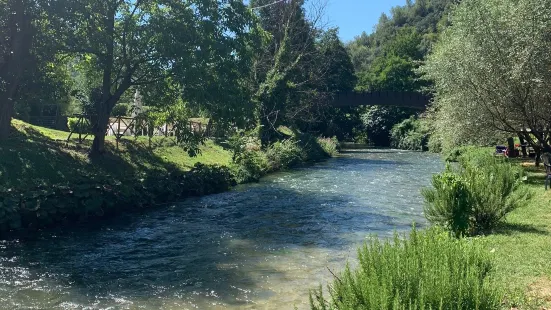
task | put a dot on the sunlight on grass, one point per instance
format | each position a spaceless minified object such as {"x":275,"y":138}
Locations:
{"x":522,"y":247}
{"x":37,"y":156}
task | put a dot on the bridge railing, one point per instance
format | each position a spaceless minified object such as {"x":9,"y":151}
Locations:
{"x":382,"y":98}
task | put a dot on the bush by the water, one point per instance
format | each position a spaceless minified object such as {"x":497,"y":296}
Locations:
{"x":250,"y":162}
{"x":329,"y":145}
{"x":427,"y":270}
{"x":410,"y":134}
{"x":284,"y":154}
{"x":473,"y":198}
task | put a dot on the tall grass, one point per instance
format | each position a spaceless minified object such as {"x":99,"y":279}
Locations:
{"x":427,"y":270}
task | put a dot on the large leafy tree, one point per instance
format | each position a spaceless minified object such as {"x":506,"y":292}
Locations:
{"x":339,"y":77}
{"x":23,"y":39}
{"x":139,"y":43}
{"x":288,"y":72}
{"x":491,"y":71}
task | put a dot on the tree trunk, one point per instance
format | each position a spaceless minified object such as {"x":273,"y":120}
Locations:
{"x":523,"y":146}
{"x":511,"y":147}
{"x":538,"y":157}
{"x":6,"y":113}
{"x":99,"y":130}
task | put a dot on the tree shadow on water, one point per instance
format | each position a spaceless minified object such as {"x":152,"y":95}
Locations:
{"x":222,"y":245}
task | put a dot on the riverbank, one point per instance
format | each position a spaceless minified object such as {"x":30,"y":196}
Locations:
{"x":516,"y":250}
{"x":260,"y":246}
{"x":522,"y":247}
{"x":46,"y":182}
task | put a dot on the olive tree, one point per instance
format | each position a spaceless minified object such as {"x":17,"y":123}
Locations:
{"x":492,"y":73}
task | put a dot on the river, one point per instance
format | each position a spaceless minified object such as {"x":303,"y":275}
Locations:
{"x":260,"y":246}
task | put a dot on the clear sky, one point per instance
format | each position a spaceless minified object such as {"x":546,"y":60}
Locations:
{"x":354,"y":16}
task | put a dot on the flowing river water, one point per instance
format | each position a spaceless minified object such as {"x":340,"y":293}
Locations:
{"x":260,"y":246}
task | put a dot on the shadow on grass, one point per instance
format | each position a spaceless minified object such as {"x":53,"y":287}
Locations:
{"x":515,"y":228}
{"x":29,"y":159}
{"x":536,"y":180}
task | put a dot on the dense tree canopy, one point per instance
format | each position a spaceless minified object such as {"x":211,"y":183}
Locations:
{"x":387,"y":60}
{"x":143,"y":43}
{"x":27,"y":48}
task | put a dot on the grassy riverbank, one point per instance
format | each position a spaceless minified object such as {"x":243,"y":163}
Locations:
{"x":517,"y":251}
{"x":39,"y":156}
{"x":522,"y":247}
{"x":46,"y":182}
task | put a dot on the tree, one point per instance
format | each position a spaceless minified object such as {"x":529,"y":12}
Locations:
{"x":288,"y":73}
{"x":491,"y":73}
{"x":394,"y":71}
{"x":339,"y":78}
{"x":181,"y":44}
{"x":17,"y":32}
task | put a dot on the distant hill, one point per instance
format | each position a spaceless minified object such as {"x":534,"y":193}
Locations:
{"x":427,"y":17}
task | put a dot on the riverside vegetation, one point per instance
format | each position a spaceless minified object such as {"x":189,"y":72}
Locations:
{"x":45,"y":182}
{"x":488,"y":248}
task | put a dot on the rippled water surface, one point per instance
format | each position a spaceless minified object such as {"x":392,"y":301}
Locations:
{"x":261,"y":246}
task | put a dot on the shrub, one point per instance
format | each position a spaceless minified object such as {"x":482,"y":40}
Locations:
{"x":284,"y":154}
{"x":74,"y":126}
{"x":496,"y":189}
{"x":329,"y":145}
{"x":474,"y":198}
{"x":448,"y":202}
{"x":121,"y":109}
{"x":250,"y":166}
{"x":427,"y":270}
{"x":94,"y":198}
{"x":410,"y":134}
{"x":467,"y":153}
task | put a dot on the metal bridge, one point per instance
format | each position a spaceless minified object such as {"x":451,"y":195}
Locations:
{"x":382,"y":98}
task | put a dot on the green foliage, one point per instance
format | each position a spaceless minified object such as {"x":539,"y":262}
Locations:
{"x":250,"y":166}
{"x":250,"y":162}
{"x":425,"y":270}
{"x":474,"y":199}
{"x":448,"y":202}
{"x":465,"y":154}
{"x":490,"y":73}
{"x":284,"y":154}
{"x":121,"y":109}
{"x":379,"y":120}
{"x":424,"y":17}
{"x":329,"y":145}
{"x":83,"y":126}
{"x":410,"y":134}
{"x":53,"y":204}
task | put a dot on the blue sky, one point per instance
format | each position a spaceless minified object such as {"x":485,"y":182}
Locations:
{"x":354,"y":16}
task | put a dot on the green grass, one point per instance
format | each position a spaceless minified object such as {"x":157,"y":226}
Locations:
{"x":522,"y":247}
{"x":35,"y":155}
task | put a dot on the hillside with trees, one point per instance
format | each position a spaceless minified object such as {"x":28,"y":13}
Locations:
{"x":386,"y":60}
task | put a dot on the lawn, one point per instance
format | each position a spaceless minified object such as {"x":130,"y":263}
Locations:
{"x":522,"y":248}
{"x":36,"y":155}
